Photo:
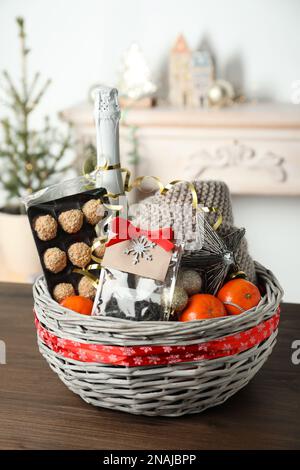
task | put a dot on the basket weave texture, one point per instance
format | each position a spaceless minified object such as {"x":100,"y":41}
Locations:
{"x":169,"y":390}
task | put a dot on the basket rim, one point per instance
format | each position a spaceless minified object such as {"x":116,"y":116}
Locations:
{"x":65,"y":315}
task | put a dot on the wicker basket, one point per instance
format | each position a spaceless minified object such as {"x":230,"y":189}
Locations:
{"x":175,"y":388}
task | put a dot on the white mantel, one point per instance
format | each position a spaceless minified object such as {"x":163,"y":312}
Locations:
{"x":255,"y":148}
{"x":249,"y":115}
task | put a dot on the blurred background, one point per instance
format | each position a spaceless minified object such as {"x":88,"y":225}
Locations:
{"x":208,"y":90}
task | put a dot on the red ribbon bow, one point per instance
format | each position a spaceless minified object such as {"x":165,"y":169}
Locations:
{"x":125,"y":230}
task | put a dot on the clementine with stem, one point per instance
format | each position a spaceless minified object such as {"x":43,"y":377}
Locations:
{"x":239,"y":295}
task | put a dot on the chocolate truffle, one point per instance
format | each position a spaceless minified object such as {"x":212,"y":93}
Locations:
{"x":63,"y":290}
{"x":55,"y":260}
{"x":79,"y":254}
{"x":190,"y":281}
{"x":45,"y":227}
{"x":99,"y":251}
{"x":86,"y":288}
{"x":93,"y":211}
{"x":71,"y":221}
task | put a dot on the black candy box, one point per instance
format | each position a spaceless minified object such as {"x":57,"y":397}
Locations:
{"x":64,"y":229}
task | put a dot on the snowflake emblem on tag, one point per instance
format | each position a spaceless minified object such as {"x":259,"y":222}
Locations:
{"x":140,"y":248}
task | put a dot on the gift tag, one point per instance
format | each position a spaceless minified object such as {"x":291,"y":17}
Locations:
{"x":138,"y":256}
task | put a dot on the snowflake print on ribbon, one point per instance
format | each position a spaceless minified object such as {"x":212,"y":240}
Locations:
{"x":140,"y":248}
{"x":153,"y":359}
{"x":82,"y":355}
{"x":71,"y":355}
{"x":61,"y":342}
{"x":137,"y":361}
{"x":113,"y":358}
{"x":99,"y":357}
{"x":146,"y":349}
{"x":42,"y":334}
{"x":129,"y":351}
{"x":200,"y":357}
{"x":173,"y":358}
{"x":188,"y":355}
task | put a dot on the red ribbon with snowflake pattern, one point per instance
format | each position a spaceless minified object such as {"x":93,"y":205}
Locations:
{"x":157,"y":355}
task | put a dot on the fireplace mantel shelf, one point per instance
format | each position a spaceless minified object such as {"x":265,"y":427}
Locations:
{"x":249,"y":115}
{"x":254,"y":147}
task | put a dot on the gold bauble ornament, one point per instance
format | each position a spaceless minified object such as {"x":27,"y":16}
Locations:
{"x":190,"y":280}
{"x":180,"y":300}
{"x":220,"y":94}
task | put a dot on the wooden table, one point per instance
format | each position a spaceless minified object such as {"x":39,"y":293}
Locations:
{"x":38,"y":412}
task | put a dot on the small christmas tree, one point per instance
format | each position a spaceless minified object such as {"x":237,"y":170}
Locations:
{"x":135,"y":82}
{"x":29,"y":159}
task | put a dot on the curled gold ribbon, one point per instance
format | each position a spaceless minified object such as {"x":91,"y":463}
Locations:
{"x":85,"y":272}
{"x":137,"y":182}
{"x":238,"y":274}
{"x":213,"y":210}
{"x":195,"y":201}
{"x":104,"y":167}
{"x":97,"y":244}
{"x":163,"y":189}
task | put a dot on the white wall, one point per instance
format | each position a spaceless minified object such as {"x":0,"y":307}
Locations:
{"x":273,"y":234}
{"x":256,"y":43}
{"x":79,"y":42}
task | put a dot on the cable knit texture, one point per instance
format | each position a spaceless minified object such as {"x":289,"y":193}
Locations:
{"x":155,"y":211}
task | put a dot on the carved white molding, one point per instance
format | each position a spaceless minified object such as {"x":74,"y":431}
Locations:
{"x":236,"y":155}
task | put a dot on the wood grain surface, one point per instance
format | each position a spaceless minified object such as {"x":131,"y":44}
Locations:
{"x":37,"y":411}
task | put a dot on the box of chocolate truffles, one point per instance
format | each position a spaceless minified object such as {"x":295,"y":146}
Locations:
{"x":64,"y":231}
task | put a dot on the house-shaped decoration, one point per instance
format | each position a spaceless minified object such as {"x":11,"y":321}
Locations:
{"x":190,"y":75}
{"x":202,"y":75}
{"x":179,"y":73}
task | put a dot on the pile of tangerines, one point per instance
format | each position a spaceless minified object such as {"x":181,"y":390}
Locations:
{"x":234,"y":298}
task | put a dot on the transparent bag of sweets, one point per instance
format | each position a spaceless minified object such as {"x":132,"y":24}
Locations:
{"x":138,"y":275}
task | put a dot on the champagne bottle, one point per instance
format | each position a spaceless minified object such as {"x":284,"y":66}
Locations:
{"x":107,"y":116}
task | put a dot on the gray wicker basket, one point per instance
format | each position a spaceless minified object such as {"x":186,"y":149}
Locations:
{"x":167,"y":390}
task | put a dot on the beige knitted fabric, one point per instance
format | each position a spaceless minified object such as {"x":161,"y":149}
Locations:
{"x":154,"y":211}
